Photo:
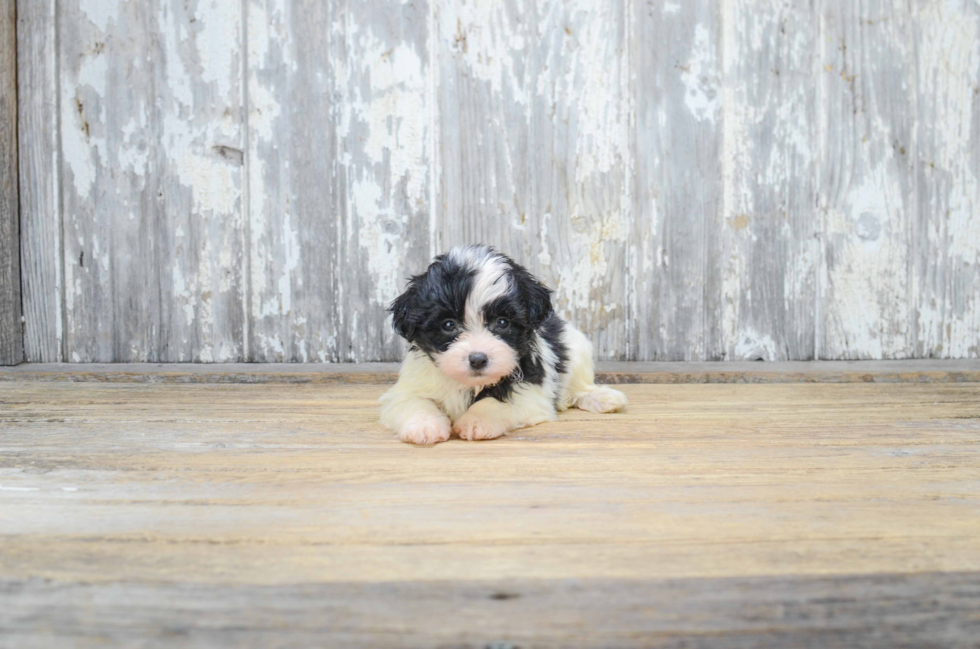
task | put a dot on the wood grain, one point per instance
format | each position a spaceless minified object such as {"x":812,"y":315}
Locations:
{"x":40,"y":205}
{"x":781,"y":514}
{"x":339,"y":212}
{"x":735,"y":180}
{"x":387,"y":166}
{"x":296,"y":195}
{"x":767,"y":243}
{"x":931,"y":610}
{"x":678,"y":179}
{"x":946,"y":268}
{"x":11,"y":337}
{"x":676,"y":70}
{"x":866,"y":188}
{"x":152,"y":142}
{"x":533,"y":126}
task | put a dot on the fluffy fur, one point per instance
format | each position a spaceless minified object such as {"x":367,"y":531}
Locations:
{"x":487,"y":353}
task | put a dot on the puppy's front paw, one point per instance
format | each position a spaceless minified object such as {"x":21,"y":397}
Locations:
{"x":472,"y":427}
{"x":425,"y":430}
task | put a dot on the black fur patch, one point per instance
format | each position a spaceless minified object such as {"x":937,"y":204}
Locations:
{"x":435,"y":296}
{"x":500,"y":391}
{"x":551,"y":331}
{"x":532,"y":294}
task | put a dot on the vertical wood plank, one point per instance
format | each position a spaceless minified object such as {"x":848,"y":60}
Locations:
{"x":152,"y":143}
{"x":386,"y":159}
{"x":40,"y":221}
{"x":339,"y":178}
{"x":678,"y":178}
{"x":946,"y":233}
{"x":866,"y":184}
{"x":11,"y":336}
{"x":533,"y":116}
{"x":767,"y":242}
{"x":295,"y":59}
{"x":484,"y":58}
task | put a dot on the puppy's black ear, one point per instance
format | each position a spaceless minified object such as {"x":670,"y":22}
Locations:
{"x":535,"y":296}
{"x":405,"y":311}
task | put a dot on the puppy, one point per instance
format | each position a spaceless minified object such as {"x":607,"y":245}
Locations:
{"x":487,"y":353}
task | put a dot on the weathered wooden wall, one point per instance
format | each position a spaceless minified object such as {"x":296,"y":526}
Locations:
{"x":728,"y":179}
{"x":11,"y":338}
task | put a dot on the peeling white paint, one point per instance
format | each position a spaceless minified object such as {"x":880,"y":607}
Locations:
{"x":100,"y":12}
{"x":544,"y":257}
{"x":135,"y":145}
{"x":275,"y":251}
{"x":769,"y":145}
{"x":703,"y":98}
{"x":392,"y":167}
{"x":949,"y":78}
{"x":366,"y":196}
{"x":177,"y":78}
{"x":752,"y":345}
{"x":867,"y":274}
{"x":479,"y":33}
{"x":569,"y":62}
{"x":291,"y":252}
{"x":134,"y":154}
{"x":596,"y":78}
{"x":218,"y":47}
{"x":98,"y":255}
{"x":580,"y":287}
{"x":273,"y":344}
{"x":83,"y":143}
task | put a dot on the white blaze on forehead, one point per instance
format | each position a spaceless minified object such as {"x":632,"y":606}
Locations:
{"x":490,"y":281}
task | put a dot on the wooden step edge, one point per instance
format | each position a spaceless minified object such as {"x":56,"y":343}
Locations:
{"x":914,"y":371}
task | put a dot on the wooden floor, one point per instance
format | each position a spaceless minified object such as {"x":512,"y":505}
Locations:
{"x":792,"y":515}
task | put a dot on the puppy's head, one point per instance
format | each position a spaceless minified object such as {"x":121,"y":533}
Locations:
{"x":474,"y":312}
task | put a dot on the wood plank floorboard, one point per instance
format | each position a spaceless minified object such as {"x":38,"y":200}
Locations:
{"x":275,"y":515}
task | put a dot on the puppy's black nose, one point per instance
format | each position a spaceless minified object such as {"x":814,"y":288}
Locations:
{"x":478,"y":360}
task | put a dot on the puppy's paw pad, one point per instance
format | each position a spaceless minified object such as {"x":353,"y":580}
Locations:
{"x":601,"y":400}
{"x":425,"y":431}
{"x":473,"y":428}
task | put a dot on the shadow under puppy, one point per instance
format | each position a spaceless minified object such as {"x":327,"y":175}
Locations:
{"x":487,"y":353}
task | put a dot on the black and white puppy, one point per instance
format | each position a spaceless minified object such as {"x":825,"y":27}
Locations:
{"x":487,"y":353}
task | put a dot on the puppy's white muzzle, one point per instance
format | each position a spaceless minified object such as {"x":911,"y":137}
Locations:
{"x":477,"y":358}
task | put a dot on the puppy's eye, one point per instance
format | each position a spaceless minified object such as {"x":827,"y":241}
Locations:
{"x":449,"y":326}
{"x":502,"y":323}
